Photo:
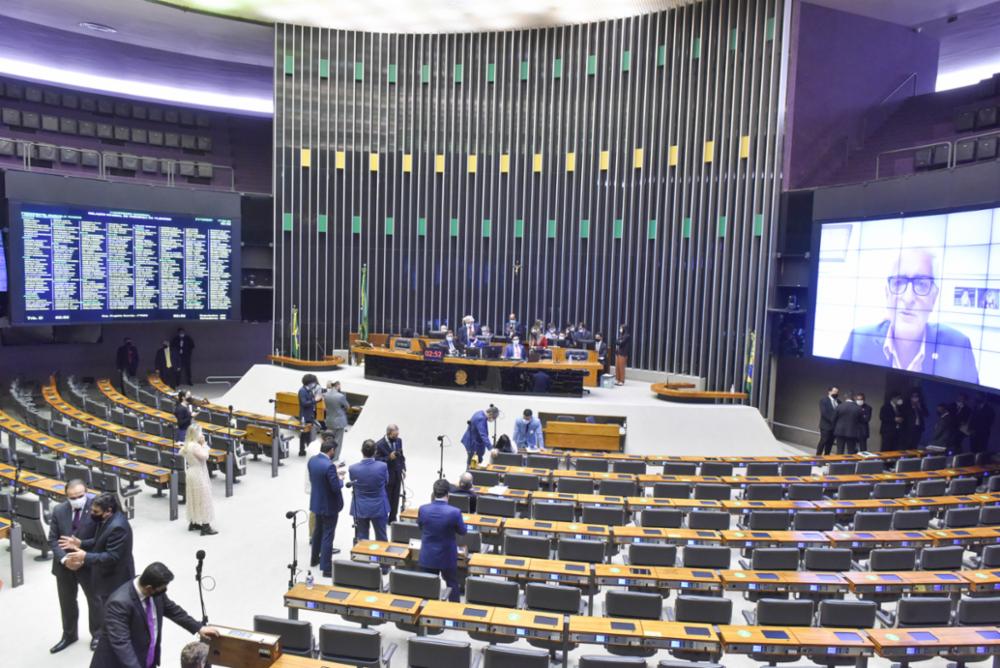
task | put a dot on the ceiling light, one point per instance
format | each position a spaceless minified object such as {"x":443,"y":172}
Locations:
{"x":97,"y":27}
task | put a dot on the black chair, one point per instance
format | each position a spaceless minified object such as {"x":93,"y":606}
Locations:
{"x":404,"y":532}
{"x":633,"y":605}
{"x":933,"y":463}
{"x":907,"y":464}
{"x":835,"y":560}
{"x":712,"y":491}
{"x":962,"y":486}
{"x":357,"y":575}
{"x":841,"y":468}
{"x":485,"y":478}
{"x":763,"y":469}
{"x":605,"y":661}
{"x":947,"y":558}
{"x":814,"y":520}
{"x":78,"y":472}
{"x":847,"y":614}
{"x":936,"y":487}
{"x":714,"y":520}
{"x":795,"y":469}
{"x":296,"y":635}
{"x":591,"y":464}
{"x":780,"y":612}
{"x":508,"y":459}
{"x":775,"y":559}
{"x":871,"y":520}
{"x":990,"y":558}
{"x":870,"y":467}
{"x":911,"y":520}
{"x":764,"y":492}
{"x":983,"y":611}
{"x":537,"y":461}
{"x":494,"y":505}
{"x":890,"y":490}
{"x":535,"y":547}
{"x":663,"y":518}
{"x":574,"y":485}
{"x":681,"y":468}
{"x":495,"y":592}
{"x":768,"y":520}
{"x":961,"y":518}
{"x":557,"y":599}
{"x":618,"y":488}
{"x":353,"y":646}
{"x":706,"y":556}
{"x":556,"y":511}
{"x":510,"y":657}
{"x":414,"y":583}
{"x":581,"y":549}
{"x":672,"y":490}
{"x":119,"y":448}
{"x":633,"y":466}
{"x":805,"y":492}
{"x":989,"y":516}
{"x":525,"y":481}
{"x":720,"y":469}
{"x":652,"y":554}
{"x":854,"y":491}
{"x":701,"y":610}
{"x":434,"y":653}
{"x":607,"y":515}
{"x":923,"y":611}
{"x":30,"y":514}
{"x":961,"y":460}
{"x":461,"y":501}
{"x":892,"y":559}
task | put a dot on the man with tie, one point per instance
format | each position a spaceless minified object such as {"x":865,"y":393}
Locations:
{"x":106,"y":557}
{"x":440,"y":524}
{"x":451,"y":344}
{"x":389,"y":449}
{"x":369,"y":503}
{"x":183,"y":346}
{"x":336,"y":415}
{"x":72,"y":518}
{"x":512,"y":328}
{"x":514,"y":349}
{"x":847,"y":426}
{"x":601,"y":348}
{"x":133,"y":621}
{"x":827,"y":411}
{"x":165,"y":364}
{"x":528,"y":432}
{"x":476,"y":438}
{"x":325,"y":503}
{"x":467,"y":334}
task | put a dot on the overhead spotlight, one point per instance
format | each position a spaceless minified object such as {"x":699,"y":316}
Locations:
{"x":97,"y":27}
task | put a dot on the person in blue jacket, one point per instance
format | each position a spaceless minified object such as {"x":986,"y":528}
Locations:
{"x":326,"y":500}
{"x":477,"y":435}
{"x":440,"y":524}
{"x":528,"y":432}
{"x":369,"y":503}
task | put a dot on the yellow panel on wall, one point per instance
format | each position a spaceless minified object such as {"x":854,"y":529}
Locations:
{"x":407,"y":162}
{"x":709,"y":151}
{"x":439,"y":163}
{"x":340,"y":160}
{"x":745,"y":146}
{"x":604,"y":161}
{"x":471,"y":163}
{"x":673,"y":155}
{"x":504,"y":163}
{"x":536,"y":163}
{"x":571,"y":162}
{"x":637,"y":158}
{"x":305,"y":157}
{"x":373,"y":162}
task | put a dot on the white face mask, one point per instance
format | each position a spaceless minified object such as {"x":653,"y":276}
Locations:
{"x":78,"y":504}
{"x":516,"y":342}
{"x":451,"y":338}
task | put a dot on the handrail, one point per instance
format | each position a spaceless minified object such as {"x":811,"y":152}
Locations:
{"x":911,"y":76}
{"x":878,"y":108}
{"x":878,"y":158}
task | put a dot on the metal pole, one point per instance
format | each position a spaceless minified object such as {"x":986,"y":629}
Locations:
{"x":172,"y":498}
{"x":16,"y":556}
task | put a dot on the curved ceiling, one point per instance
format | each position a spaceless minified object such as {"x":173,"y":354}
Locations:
{"x":428,"y":16}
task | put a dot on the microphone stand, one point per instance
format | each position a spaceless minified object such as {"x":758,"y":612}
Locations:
{"x":201,"y":593}
{"x":294,"y":566}
{"x":440,"y":457}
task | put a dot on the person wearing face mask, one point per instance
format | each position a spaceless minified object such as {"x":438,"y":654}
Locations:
{"x":601,"y":348}
{"x":72,"y":518}
{"x":468,"y":332}
{"x":165,"y":362}
{"x":827,"y":418}
{"x":528,"y":432}
{"x":891,"y":418}
{"x":514,"y":350}
{"x":105,"y":557}
{"x":308,"y":396}
{"x":183,"y":346}
{"x":198,"y":488}
{"x":184,"y":413}
{"x":452,"y":346}
{"x":623,"y":348}
{"x":512,"y":327}
{"x":915,"y":422}
{"x":865,"y":418}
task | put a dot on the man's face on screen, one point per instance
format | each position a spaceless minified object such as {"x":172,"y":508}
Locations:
{"x":911,"y":291}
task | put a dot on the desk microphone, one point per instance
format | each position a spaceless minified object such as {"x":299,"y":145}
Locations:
{"x":271,"y":401}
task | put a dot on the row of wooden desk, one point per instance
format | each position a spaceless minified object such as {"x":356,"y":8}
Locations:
{"x":379,"y":607}
{"x":744,"y":539}
{"x":738,"y":460}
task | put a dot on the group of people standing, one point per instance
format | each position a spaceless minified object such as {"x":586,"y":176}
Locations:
{"x":172,"y":360}
{"x":903,"y":423}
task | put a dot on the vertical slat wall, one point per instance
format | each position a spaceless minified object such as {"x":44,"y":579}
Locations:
{"x":615,"y":172}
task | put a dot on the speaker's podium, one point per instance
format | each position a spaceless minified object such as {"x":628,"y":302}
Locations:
{"x":239,"y":648}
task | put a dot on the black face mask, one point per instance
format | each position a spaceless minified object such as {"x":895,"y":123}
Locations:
{"x":97,"y":517}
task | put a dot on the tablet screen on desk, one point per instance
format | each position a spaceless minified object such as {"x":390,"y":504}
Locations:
{"x":923,"y":636}
{"x":891,"y":578}
{"x":697,"y":631}
{"x":549,"y":621}
{"x":401,"y":603}
{"x":847,"y":636}
{"x":622,"y":626}
{"x":474,"y":612}
{"x":702,"y":574}
{"x":774,"y":635}
{"x":767,"y":576}
{"x":514,"y":562}
{"x":337,"y":595}
{"x":947,"y":576}
{"x":396,"y":549}
{"x":989,"y":635}
{"x":575,"y":567}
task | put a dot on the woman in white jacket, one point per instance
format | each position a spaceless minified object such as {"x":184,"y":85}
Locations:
{"x":198,"y":496}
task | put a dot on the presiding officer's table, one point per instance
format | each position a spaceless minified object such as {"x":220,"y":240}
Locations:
{"x":563,"y":378}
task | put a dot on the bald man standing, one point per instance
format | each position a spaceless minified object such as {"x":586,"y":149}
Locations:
{"x":905,"y":339}
{"x":389,"y":449}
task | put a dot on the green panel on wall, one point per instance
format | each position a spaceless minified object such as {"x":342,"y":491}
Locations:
{"x":324,"y":68}
{"x":453,"y":227}
{"x":584,"y":229}
{"x":286,"y":222}
{"x":322,"y":222}
{"x":733,"y":39}
{"x":355,"y":224}
{"x":491,"y":72}
{"x":696,"y":48}
{"x":525,"y":67}
{"x":592,"y":64}
{"x":769,"y":29}
{"x":289,"y":64}
{"x":519,"y":228}
{"x":425,"y":74}
{"x":557,"y":68}
{"x":390,"y":226}
{"x":686,"y":228}
{"x":626,"y":60}
{"x":487,"y":227}
{"x":723,"y":224}
{"x":550,"y":229}
{"x":421,"y":227}
{"x":661,"y":55}
{"x":619,"y":228}
{"x":758,"y":224}
{"x":359,"y":71}
{"x":391,"y":73}
{"x":651,"y":229}
{"x":459,"y":69}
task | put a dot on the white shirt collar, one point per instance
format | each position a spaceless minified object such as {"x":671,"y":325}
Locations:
{"x":889,"y":350}
{"x":138,"y":590}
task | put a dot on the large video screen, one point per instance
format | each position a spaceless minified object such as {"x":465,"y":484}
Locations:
{"x":919,"y":294}
{"x":93,"y":264}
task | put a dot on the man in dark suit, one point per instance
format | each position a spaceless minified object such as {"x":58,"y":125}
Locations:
{"x":127,"y":360}
{"x":514,"y":350}
{"x":107,"y":556}
{"x":963,"y":413}
{"x":451,"y":345}
{"x":468,"y":331}
{"x":866,"y":418}
{"x":369,"y":503}
{"x":133,"y":621}
{"x":827,"y":409}
{"x":905,"y":339}
{"x":326,"y":500}
{"x":601,"y":348}
{"x":440,"y":524}
{"x":946,"y":433}
{"x":980,"y":424}
{"x":183,"y":346}
{"x":72,"y":518}
{"x":308,"y":396}
{"x":512,"y":327}
{"x":165,"y":363}
{"x":476,"y":438}
{"x":847,"y":427}
{"x":892,"y":419}
{"x":389,"y":449}
{"x":465,"y":488}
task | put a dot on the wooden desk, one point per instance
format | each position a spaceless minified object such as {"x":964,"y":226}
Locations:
{"x":527,"y":624}
{"x":382,"y":553}
{"x":930,"y":582}
{"x":582,"y":436}
{"x":982,"y":580}
{"x":605,"y":631}
{"x":556,"y":529}
{"x":847,"y":506}
{"x":287,"y":403}
{"x":116,"y":397}
{"x":828,"y":641}
{"x":637,"y":534}
{"x":292,"y":661}
{"x":384,"y":607}
{"x":40,"y":485}
{"x":484,"y":524}
{"x":745,"y":506}
{"x":581,"y":499}
{"x":680,"y":635}
{"x":755,"y":539}
{"x":321,"y":598}
{"x":970,"y":536}
{"x":4,"y":527}
{"x":626,"y":576}
{"x":695,"y":579}
{"x":870,"y":540}
{"x":328,"y":362}
{"x":667,"y":393}
{"x":783,"y":581}
{"x":500,"y":564}
{"x":772,"y":640}
{"x":937,"y":641}
{"x":741,"y":460}
{"x":447,"y":615}
{"x":249,"y":416}
{"x":937,"y":503}
{"x":561,"y":572}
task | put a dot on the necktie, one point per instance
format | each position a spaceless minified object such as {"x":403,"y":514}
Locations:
{"x":76,"y":521}
{"x":167,"y":356}
{"x":151,"y":625}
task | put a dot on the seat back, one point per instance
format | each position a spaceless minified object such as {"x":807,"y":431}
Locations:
{"x":764,"y":492}
{"x":763,"y":468}
{"x":933,"y":463}
{"x":946,"y":558}
{"x":841,"y":468}
{"x":962,"y":486}
{"x":490,"y":591}
{"x":782,"y":612}
{"x":78,"y":472}
{"x":989,"y":516}
{"x":591,"y":464}
{"x":717,"y":468}
{"x":814,"y":520}
{"x":556,"y":511}
{"x":847,"y":614}
{"x":706,"y":556}
{"x":357,"y":575}
{"x":608,"y":661}
{"x":552,"y":598}
{"x":434,"y":653}
{"x":681,"y":468}
{"x":892,"y":559}
{"x":536,"y":461}
{"x":827,"y":559}
{"x":959,"y":518}
{"x":890,"y":490}
{"x":48,"y":467}
{"x":991,"y":557}
{"x":775,"y":559}
{"x":350,"y":644}
{"x":495,"y":656}
{"x":795,"y":469}
{"x":907,"y":464}
{"x":872,"y":520}
{"x":652,"y":554}
{"x":508,"y":459}
{"x":716,"y":520}
{"x":805,"y":492}
{"x":854,"y":490}
{"x":296,"y":635}
{"x":923,"y":611}
{"x":935,"y":487}
{"x":494,"y":505}
{"x":618,"y":488}
{"x":961,"y":460}
{"x":461,"y":501}
{"x":663,"y":518}
{"x":703,"y":609}
{"x":672,"y":490}
{"x":485,"y":478}
{"x":609,"y":515}
{"x":147,"y":455}
{"x":119,"y":448}
{"x":414,"y":583}
{"x":536,"y":547}
{"x":581,"y":549}
{"x":633,"y":466}
{"x":910,"y":520}
{"x":636,"y":605}
{"x":472,"y":541}
{"x":574,"y":485}
{"x":526,"y":481}
{"x":983,"y":611}
{"x":711,"y":490}
{"x":769,"y":520}
{"x":76,"y":435}
{"x":403,"y":532}
{"x":59,"y":429}
{"x":870,"y":466}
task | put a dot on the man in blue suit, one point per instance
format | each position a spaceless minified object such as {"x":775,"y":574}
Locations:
{"x":440,"y":524}
{"x":326,"y":500}
{"x":389,"y":449}
{"x":528,"y":432}
{"x":477,"y":435}
{"x":514,"y":350}
{"x":904,"y":339}
{"x":369,"y":503}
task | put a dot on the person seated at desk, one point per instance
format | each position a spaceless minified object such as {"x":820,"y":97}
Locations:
{"x":582,"y":335}
{"x":485,"y":337}
{"x":451,"y":346}
{"x":514,"y":350}
{"x":465,"y":488}
{"x":528,"y":432}
{"x":512,"y":328}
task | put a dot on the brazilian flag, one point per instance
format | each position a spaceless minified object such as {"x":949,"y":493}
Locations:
{"x":296,"y":337}
{"x":751,"y":359}
{"x":363,"y":305}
